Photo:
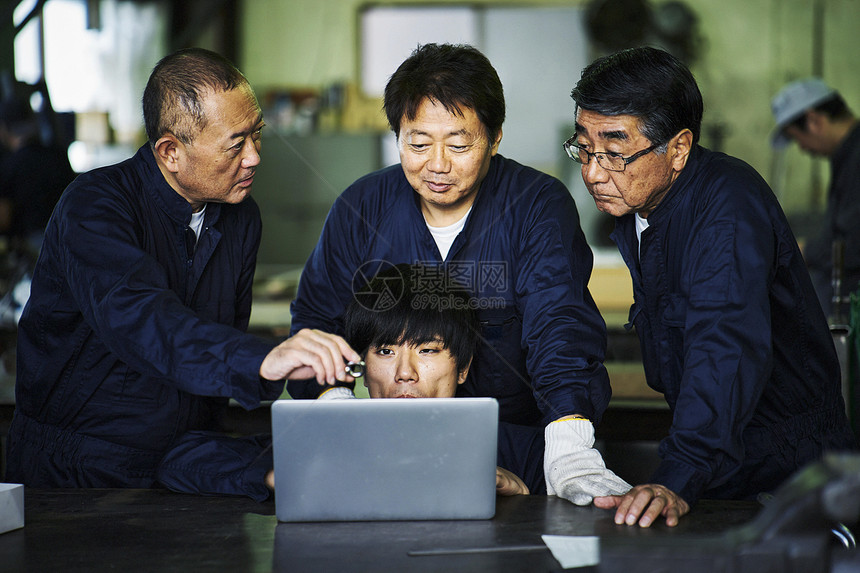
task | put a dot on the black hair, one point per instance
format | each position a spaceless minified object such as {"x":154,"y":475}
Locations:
{"x":172,"y":99}
{"x":647,"y":83}
{"x":834,"y":108}
{"x":413,"y":304}
{"x":455,"y":76}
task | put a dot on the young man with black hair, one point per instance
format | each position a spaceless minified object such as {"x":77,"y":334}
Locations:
{"x":418,"y":343}
{"x":421,"y":345}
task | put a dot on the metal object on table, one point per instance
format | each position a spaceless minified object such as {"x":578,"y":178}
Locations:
{"x":845,"y":536}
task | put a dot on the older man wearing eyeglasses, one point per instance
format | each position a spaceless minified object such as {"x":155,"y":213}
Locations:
{"x":730,"y":327}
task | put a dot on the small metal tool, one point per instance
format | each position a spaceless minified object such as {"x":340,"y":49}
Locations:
{"x":355,"y":369}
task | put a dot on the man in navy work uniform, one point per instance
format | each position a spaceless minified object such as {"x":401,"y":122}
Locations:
{"x":729,"y":323}
{"x":509,"y":233}
{"x":133,"y":333}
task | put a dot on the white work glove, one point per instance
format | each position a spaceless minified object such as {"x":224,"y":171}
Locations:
{"x":573,"y":469}
{"x":336,"y":393}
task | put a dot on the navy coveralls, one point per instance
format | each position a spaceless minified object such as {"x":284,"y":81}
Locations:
{"x":127,"y":343}
{"x":732,"y":334}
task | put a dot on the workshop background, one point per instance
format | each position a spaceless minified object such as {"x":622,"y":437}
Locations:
{"x":318,"y":67}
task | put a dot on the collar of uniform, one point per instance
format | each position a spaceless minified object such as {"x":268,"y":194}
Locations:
{"x":171,"y":202}
{"x":490,"y":181}
{"x":675,"y":192}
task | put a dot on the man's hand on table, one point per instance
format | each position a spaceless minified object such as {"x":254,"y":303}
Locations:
{"x":508,"y":483}
{"x":644,"y":504}
{"x":310,"y":354}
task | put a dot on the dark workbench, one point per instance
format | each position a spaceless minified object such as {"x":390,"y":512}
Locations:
{"x":155,"y":530}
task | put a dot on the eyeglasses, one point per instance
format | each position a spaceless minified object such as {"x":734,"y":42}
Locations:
{"x":609,"y":160}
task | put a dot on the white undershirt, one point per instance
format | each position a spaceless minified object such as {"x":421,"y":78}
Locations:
{"x":196,"y":223}
{"x":641,"y":225}
{"x":444,"y":236}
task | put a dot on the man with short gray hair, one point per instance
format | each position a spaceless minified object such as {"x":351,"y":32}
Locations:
{"x":728,"y":321}
{"x":134,"y":333}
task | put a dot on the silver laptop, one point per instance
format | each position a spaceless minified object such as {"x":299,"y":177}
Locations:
{"x":385,"y":459}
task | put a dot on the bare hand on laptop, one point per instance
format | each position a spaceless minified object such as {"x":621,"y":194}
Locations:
{"x":310,"y":354}
{"x":508,"y":483}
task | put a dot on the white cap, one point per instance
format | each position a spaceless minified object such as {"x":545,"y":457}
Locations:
{"x":792,"y":101}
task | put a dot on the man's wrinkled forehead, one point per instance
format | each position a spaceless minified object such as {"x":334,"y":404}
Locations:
{"x":608,"y":127}
{"x":418,"y":131}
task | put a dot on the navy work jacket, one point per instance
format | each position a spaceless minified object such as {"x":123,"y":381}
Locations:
{"x":127,"y":342}
{"x":521,"y":254}
{"x":732,"y":334}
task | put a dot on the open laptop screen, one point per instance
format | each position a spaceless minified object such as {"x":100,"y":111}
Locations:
{"x":385,"y":459}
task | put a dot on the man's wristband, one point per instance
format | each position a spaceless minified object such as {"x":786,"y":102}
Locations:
{"x":573,"y":417}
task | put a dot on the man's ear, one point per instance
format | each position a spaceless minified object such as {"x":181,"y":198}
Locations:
{"x":495,"y":148}
{"x":680,"y":147}
{"x":461,"y":376}
{"x":167,"y":150}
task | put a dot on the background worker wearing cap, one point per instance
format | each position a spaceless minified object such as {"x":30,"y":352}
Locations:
{"x":815,"y":116}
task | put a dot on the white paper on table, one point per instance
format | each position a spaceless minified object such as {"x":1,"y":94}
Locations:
{"x":574,"y":551}
{"x":11,"y":506}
